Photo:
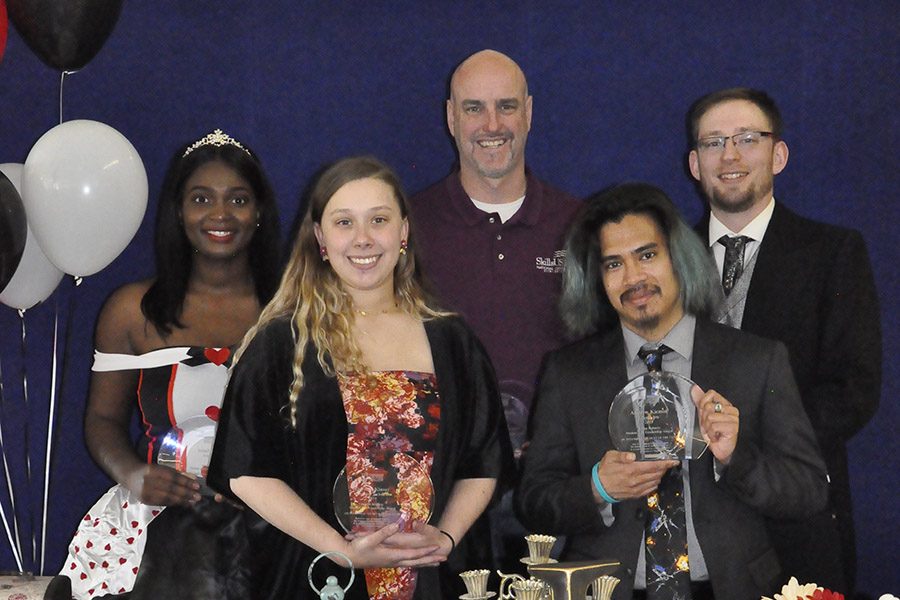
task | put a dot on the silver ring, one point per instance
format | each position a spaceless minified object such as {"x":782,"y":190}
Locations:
{"x":717,"y":407}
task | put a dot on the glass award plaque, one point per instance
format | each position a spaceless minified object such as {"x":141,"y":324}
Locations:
{"x":654,"y":417}
{"x":187,"y":448}
{"x":383,"y":489}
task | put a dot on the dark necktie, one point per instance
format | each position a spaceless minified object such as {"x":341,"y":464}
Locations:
{"x":665,"y":530}
{"x":652,"y":356}
{"x":734,"y":259}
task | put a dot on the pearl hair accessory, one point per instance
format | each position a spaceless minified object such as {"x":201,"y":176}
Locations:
{"x":216,"y":138}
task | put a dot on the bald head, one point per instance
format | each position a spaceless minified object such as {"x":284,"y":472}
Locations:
{"x":488,"y":64}
{"x":489,"y":115}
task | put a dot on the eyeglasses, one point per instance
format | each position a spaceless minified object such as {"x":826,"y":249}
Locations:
{"x":745,"y":140}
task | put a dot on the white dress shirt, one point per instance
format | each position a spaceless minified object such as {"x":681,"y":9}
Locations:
{"x":755,"y":230}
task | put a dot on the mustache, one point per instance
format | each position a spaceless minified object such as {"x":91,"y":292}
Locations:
{"x":640,"y":288}
{"x":501,"y":135}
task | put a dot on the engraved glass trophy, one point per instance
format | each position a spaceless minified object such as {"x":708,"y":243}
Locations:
{"x":654,"y":417}
{"x":187,"y":448}
{"x":380,"y":489}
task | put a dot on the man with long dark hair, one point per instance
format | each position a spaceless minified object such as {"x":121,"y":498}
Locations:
{"x":639,"y":283}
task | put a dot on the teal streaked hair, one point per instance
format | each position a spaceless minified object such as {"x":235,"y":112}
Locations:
{"x":584,"y":306}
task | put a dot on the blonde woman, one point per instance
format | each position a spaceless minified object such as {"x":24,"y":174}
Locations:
{"x":350,"y":360}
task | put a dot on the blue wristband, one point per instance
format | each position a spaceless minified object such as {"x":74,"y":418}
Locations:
{"x":599,"y":486}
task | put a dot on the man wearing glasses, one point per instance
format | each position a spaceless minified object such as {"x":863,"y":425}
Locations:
{"x":805,"y":283}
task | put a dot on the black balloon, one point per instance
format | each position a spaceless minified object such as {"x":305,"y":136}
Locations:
{"x":13,"y":230}
{"x":65,"y":34}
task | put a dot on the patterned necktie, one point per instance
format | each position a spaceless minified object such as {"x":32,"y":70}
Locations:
{"x":734,"y":259}
{"x":652,"y":356}
{"x":665,"y":531}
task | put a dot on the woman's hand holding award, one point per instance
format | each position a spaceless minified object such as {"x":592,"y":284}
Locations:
{"x":187,"y":448}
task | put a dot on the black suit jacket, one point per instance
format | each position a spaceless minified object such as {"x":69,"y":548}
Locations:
{"x":775,"y":470}
{"x":812,"y":289}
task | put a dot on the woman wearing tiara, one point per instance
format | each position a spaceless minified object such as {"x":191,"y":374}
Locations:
{"x":165,"y":344}
{"x":352,"y":369}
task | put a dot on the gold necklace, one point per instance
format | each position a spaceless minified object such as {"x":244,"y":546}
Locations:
{"x":383,"y":311}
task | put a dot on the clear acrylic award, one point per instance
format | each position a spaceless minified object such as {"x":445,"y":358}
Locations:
{"x":387,"y":487}
{"x":654,"y":417}
{"x":187,"y":448}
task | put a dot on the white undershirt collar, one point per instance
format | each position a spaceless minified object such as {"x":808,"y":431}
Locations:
{"x":506,"y":210}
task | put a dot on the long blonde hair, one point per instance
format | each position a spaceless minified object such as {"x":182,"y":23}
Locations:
{"x":310,"y":291}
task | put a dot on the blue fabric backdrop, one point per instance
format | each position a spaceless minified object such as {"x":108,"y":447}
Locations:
{"x":305,"y":83}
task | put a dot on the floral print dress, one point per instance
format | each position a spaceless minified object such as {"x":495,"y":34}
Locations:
{"x":393,"y":419}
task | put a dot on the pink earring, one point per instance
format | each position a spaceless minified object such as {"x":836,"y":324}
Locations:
{"x":323,"y":252}
{"x":403,"y":246}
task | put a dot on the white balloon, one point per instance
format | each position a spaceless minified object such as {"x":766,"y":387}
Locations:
{"x":84,"y":188}
{"x":35,"y":277}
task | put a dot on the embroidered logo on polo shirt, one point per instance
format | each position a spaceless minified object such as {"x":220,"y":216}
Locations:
{"x":551,"y":264}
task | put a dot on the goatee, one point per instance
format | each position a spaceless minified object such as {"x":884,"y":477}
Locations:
{"x":735,"y":204}
{"x":648,"y":322}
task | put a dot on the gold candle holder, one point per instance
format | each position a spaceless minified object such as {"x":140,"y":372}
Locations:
{"x":570,"y":580}
{"x":476,"y":584}
{"x":539,"y":547}
{"x":603,"y":587}
{"x":528,"y":589}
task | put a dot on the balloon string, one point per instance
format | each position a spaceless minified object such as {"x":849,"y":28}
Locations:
{"x":62,"y":80}
{"x":12,"y":496}
{"x":25,"y":435}
{"x":14,"y":546}
{"x":50,"y":421}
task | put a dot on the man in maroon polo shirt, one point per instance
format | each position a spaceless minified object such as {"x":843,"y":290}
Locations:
{"x":490,"y":237}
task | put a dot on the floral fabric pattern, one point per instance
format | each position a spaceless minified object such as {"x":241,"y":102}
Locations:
{"x":393,"y":419}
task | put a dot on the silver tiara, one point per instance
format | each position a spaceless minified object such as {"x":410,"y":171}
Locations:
{"x":216,"y":138}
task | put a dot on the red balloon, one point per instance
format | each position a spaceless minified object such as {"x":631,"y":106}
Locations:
{"x":65,"y":34}
{"x":3,"y":27}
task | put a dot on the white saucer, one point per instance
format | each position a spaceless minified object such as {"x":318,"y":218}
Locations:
{"x":485,"y":597}
{"x":527,"y":561}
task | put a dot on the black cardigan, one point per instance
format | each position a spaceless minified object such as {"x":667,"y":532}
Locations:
{"x":254,"y":439}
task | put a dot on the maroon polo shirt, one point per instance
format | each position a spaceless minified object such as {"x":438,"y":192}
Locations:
{"x":503,"y":278}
